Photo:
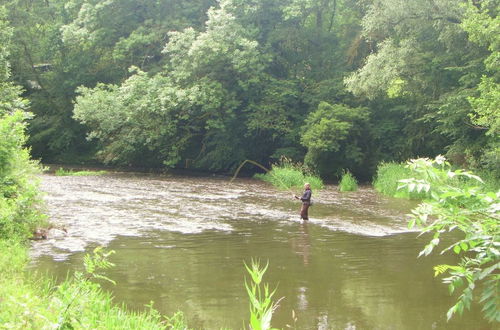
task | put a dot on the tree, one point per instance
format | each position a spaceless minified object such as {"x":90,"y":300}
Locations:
{"x":18,"y":188}
{"x":483,"y":26}
{"x":338,"y":132}
{"x":424,"y":60}
{"x":192,"y":109}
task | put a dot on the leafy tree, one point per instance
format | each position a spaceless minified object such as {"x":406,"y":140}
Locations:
{"x":483,"y":26}
{"x":335,"y":131}
{"x":424,"y":60}
{"x":18,"y":187}
{"x":208,"y":84}
{"x":61,"y":45}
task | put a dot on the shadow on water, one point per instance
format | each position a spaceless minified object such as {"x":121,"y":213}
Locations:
{"x":181,"y":243}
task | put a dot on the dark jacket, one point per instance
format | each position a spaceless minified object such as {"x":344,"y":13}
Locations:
{"x":306,"y":196}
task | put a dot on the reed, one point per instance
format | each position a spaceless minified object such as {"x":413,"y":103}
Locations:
{"x":348,"y":182}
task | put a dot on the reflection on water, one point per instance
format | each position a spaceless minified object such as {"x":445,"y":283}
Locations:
{"x":181,"y":242}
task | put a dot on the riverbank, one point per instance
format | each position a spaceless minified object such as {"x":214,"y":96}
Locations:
{"x":33,"y":301}
{"x":30,"y":300}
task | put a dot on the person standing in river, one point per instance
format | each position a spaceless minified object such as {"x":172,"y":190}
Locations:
{"x":306,"y":201}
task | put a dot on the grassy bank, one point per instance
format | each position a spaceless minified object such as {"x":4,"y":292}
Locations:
{"x":390,"y":176}
{"x":62,"y":172}
{"x":30,"y":301}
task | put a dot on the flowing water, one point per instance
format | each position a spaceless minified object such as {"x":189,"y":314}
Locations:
{"x":182,"y":241}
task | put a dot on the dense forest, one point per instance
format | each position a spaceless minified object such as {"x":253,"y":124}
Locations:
{"x":203,"y":84}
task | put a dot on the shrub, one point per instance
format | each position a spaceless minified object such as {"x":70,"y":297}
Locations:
{"x":348,"y":182}
{"x":19,"y":197}
{"x":469,"y":210}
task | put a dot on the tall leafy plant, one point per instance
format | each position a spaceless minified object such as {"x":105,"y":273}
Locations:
{"x":348,"y":182}
{"x":262,"y":306}
{"x":475,"y":215}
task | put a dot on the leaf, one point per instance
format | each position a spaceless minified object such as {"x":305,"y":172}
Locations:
{"x":456,"y":249}
{"x":440,"y":269}
{"x":451,"y":288}
{"x":450,"y":313}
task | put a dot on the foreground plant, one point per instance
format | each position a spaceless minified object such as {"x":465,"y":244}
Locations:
{"x":455,"y":204}
{"x":261,"y":305}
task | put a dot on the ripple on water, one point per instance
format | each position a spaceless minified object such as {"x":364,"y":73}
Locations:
{"x":96,"y":209}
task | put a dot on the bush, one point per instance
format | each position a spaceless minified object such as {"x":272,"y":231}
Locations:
{"x":19,"y":197}
{"x":348,"y":182}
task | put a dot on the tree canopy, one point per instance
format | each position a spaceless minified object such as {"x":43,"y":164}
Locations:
{"x":337,"y":84}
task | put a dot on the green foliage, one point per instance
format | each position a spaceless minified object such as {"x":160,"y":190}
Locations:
{"x":207,"y":83}
{"x":206,"y":87}
{"x":348,"y":182}
{"x":483,"y":25}
{"x":5,"y":35}
{"x":286,"y":175}
{"x":19,"y":197}
{"x":425,"y":60}
{"x":334,"y":130}
{"x":62,"y":172}
{"x":262,"y":306}
{"x":475,"y":215}
{"x":387,"y":180}
{"x":31,"y":302}
{"x":486,"y":106}
{"x":176,"y":322}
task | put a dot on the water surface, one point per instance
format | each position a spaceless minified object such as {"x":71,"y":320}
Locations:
{"x":181,"y":242}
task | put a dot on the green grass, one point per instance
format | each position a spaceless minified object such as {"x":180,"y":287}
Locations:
{"x":387,"y":177}
{"x":287,"y":175}
{"x":62,"y":172}
{"x":348,"y":182}
{"x":491,"y":182}
{"x":30,"y":301}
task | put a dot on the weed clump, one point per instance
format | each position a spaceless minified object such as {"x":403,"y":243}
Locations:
{"x":348,"y":182}
{"x":286,"y":175}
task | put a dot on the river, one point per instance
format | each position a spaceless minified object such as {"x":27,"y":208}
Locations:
{"x":182,"y":242}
